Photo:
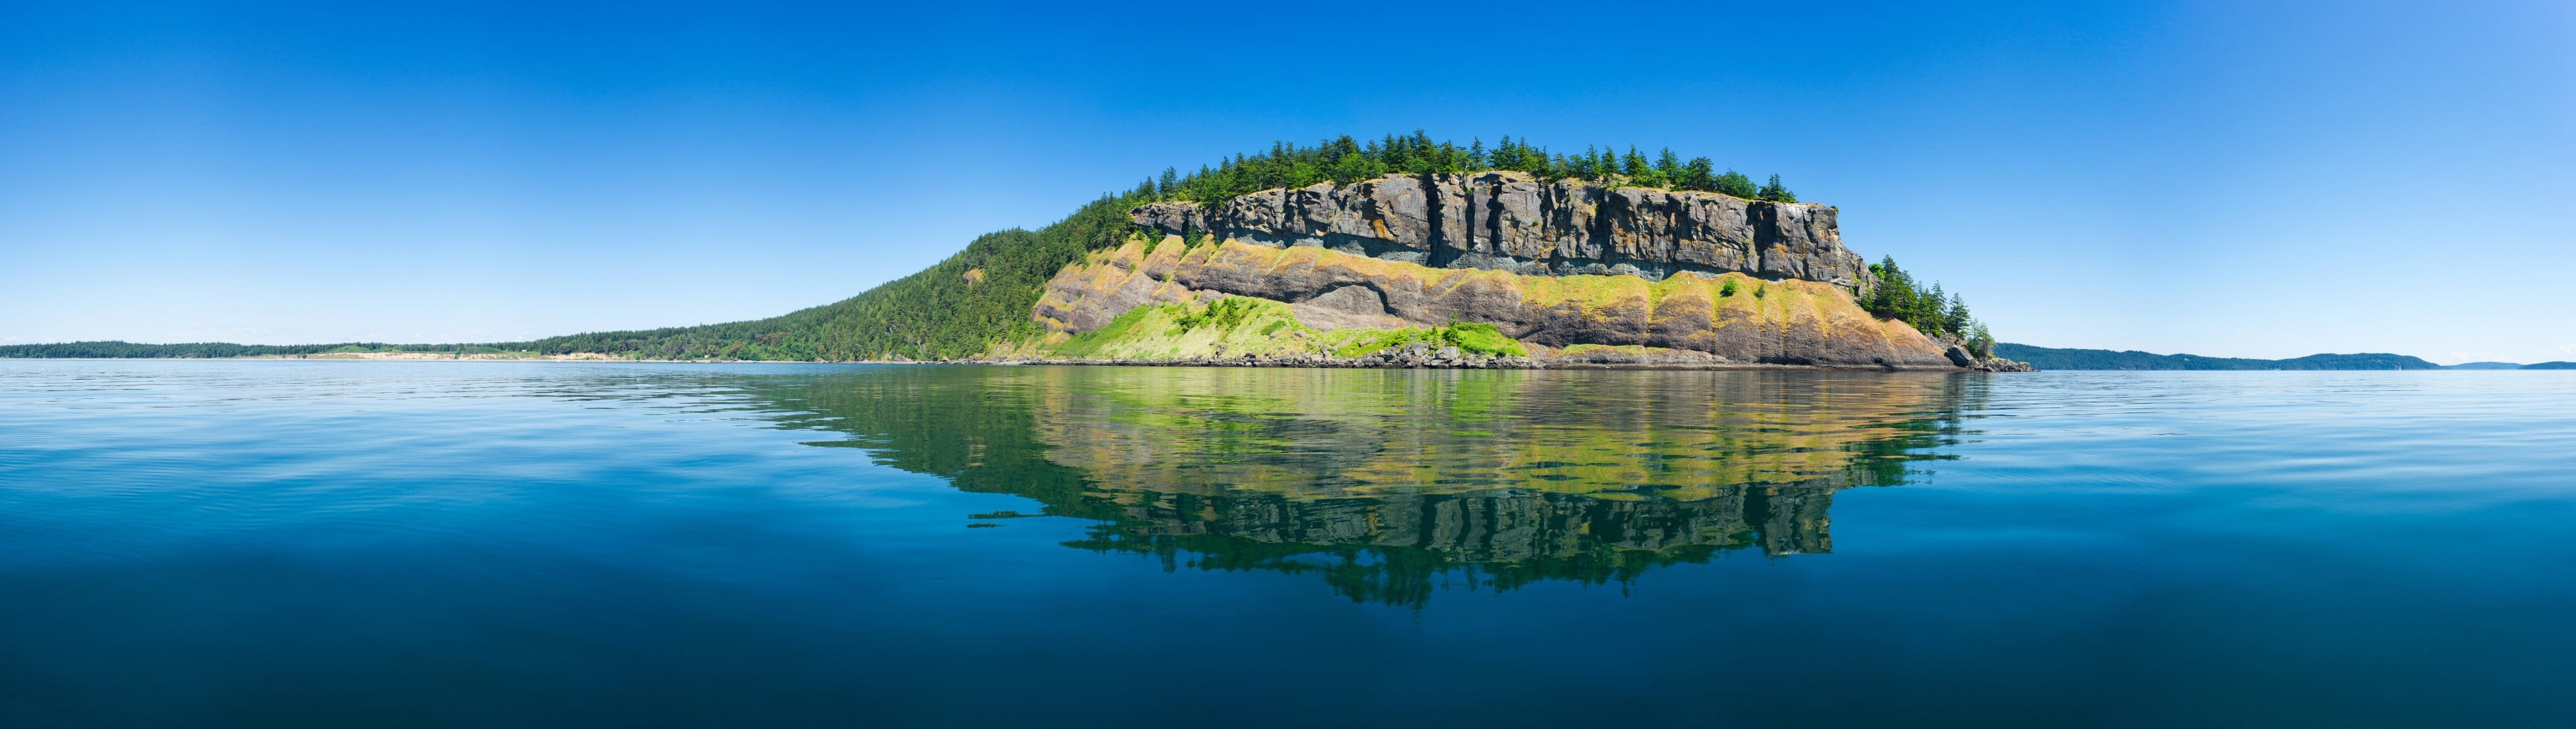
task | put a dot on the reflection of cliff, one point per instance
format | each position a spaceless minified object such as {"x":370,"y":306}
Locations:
{"x":1303,"y":434}
{"x":1506,"y":525}
{"x":1398,"y":549}
{"x":1390,"y":484}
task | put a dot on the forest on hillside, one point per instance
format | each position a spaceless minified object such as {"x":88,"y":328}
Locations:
{"x":1931,"y":311}
{"x":954,"y":308}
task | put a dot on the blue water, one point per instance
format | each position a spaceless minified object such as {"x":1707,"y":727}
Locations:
{"x":273,"y":543}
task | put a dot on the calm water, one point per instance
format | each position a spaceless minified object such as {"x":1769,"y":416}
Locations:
{"x":319,"y":543}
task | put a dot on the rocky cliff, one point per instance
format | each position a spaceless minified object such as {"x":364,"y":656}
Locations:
{"x":1510,"y":221}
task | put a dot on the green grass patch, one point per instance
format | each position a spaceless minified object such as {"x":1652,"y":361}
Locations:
{"x":1470,"y":337}
{"x":1230,"y":326}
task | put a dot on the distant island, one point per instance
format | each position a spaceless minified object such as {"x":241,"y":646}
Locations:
{"x":2049,"y":358}
{"x":1396,"y":252}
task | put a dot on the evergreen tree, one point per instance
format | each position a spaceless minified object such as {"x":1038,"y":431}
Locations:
{"x":1735,"y":183}
{"x":1776,"y":191}
{"x":1700,"y":174}
{"x":1344,"y":160}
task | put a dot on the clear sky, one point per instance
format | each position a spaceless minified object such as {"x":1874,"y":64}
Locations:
{"x":2227,"y":178}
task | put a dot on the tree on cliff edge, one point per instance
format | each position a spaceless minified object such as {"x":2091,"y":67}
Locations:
{"x":1776,"y":191}
{"x":1735,"y":183}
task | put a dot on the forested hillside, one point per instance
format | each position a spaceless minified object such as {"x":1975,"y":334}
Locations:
{"x":952,"y":309}
{"x":2050,"y":358}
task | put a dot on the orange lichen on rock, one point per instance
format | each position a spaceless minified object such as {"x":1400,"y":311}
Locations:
{"x":1732,"y":316}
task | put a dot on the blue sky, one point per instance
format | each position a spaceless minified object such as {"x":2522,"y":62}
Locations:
{"x":2242,"y":179}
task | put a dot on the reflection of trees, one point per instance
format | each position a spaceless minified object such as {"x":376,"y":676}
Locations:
{"x":1391,"y":548}
{"x":1388,"y":484}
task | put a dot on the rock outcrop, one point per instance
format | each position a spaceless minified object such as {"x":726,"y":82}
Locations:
{"x":1510,"y":221}
{"x":1732,"y":317}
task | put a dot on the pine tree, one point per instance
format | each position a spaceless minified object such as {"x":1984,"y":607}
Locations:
{"x":1735,"y":183}
{"x":1700,"y":174}
{"x":1926,"y":316}
{"x":1776,"y":191}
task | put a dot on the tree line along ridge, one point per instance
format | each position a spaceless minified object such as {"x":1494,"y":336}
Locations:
{"x":1344,"y":160}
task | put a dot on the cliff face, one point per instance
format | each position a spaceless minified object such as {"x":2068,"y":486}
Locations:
{"x":1511,"y":222}
{"x":1732,"y":316}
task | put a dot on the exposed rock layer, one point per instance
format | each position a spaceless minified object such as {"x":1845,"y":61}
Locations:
{"x":1512,"y":222}
{"x":1734,"y":317}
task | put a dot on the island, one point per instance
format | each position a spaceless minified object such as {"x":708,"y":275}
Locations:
{"x":1394,"y":252}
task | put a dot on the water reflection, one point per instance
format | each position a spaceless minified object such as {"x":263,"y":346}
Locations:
{"x":1390,"y":485}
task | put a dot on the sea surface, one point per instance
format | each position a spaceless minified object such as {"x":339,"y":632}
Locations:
{"x":280,"y":543}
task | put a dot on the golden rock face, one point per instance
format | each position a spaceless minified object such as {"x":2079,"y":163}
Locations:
{"x":1733,"y":316}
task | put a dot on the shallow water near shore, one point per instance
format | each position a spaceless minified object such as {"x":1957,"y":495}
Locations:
{"x":543,"y":544}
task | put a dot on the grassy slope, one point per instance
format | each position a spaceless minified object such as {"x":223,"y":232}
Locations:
{"x":1689,"y":302}
{"x":1239,"y":325}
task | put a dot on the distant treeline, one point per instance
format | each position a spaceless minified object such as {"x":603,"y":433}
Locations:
{"x":204,"y":350}
{"x":2050,"y":358}
{"x":1344,"y":160}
